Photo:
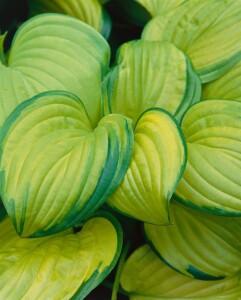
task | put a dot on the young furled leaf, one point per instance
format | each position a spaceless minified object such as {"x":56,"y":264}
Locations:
{"x":212,"y":180}
{"x":56,"y":169}
{"x":156,"y":167}
{"x":90,"y":12}
{"x":150,"y":74}
{"x":206,"y":30}
{"x":64,"y":266}
{"x":54,"y":52}
{"x":200,"y":245}
{"x":146,"y":277}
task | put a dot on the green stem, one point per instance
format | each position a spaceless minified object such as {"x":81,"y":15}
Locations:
{"x":2,"y":56}
{"x":119,"y":270}
{"x":108,"y":284}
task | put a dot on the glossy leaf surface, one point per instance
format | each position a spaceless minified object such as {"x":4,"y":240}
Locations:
{"x":146,"y":277}
{"x":56,"y":168}
{"x":150,"y":74}
{"x":200,"y":245}
{"x":212,"y":180}
{"x":206,"y":30}
{"x":64,"y":266}
{"x":156,"y":167}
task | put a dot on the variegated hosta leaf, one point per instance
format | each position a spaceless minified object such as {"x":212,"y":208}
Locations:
{"x":206,"y":30}
{"x":201,"y":245}
{"x":226,"y":87}
{"x":150,"y":74}
{"x":56,"y":168}
{"x":156,"y":167}
{"x":90,"y":12}
{"x":212,"y":180}
{"x":64,"y":266}
{"x":54,"y":52}
{"x":146,"y":277}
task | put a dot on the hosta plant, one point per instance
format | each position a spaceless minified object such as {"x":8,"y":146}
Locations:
{"x":153,"y":138}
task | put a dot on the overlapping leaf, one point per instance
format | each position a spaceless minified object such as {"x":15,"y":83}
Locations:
{"x":156,"y":167}
{"x":55,"y":167}
{"x":212,"y":180}
{"x":66,"y":266}
{"x":150,"y":74}
{"x":53,"y":51}
{"x":141,"y":11}
{"x":146,"y":277}
{"x":91,"y":11}
{"x":226,"y":87}
{"x":157,"y":7}
{"x":201,"y":245}
{"x":208,"y":31}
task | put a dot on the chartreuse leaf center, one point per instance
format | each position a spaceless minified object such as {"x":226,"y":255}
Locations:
{"x":64,"y":266}
{"x":200,"y":245}
{"x":211,"y":181}
{"x":156,"y":167}
{"x":90,"y":12}
{"x":206,"y":30}
{"x":146,"y":277}
{"x":56,"y":168}
{"x":150,"y":74}
{"x":54,"y":52}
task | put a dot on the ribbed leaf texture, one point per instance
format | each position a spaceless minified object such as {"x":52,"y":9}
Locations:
{"x":90,"y":12}
{"x":56,"y":168}
{"x":156,"y":167}
{"x":65,"y":266}
{"x":226,"y":87}
{"x":212,"y":180}
{"x":150,"y":74}
{"x":157,"y":7}
{"x":201,"y":245}
{"x":146,"y":277}
{"x":206,"y":30}
{"x":54,"y":52}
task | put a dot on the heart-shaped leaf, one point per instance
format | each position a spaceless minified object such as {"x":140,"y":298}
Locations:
{"x":212,"y":180}
{"x":56,"y":168}
{"x":226,"y":87}
{"x":150,"y":74}
{"x":156,"y":167}
{"x":54,"y":52}
{"x":64,"y":266}
{"x":146,"y":277}
{"x":90,"y":12}
{"x":208,"y":31}
{"x":201,"y":245}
